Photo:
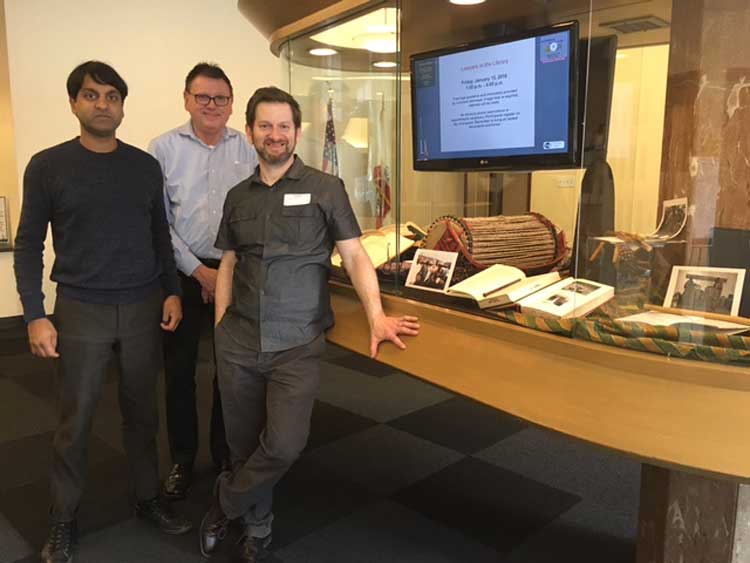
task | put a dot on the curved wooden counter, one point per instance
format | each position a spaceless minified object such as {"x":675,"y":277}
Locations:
{"x":670,"y":412}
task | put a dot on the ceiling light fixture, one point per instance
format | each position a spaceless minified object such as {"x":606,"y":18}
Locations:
{"x":323,"y":52}
{"x":378,"y":42}
{"x":466,"y":2}
{"x":384,"y":64}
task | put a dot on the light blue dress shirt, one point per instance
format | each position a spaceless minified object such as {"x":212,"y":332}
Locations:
{"x":197,"y":178}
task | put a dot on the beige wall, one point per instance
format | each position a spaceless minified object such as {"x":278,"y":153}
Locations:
{"x":635,"y":139}
{"x":152,"y":44}
{"x":635,"y":135}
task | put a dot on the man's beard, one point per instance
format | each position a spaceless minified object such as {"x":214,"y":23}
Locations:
{"x":275,"y":159}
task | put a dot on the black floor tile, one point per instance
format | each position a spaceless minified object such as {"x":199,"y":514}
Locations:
{"x":460,"y":424}
{"x":496,"y":507}
{"x":39,"y":376}
{"x":330,"y":423}
{"x":363,"y":364}
{"x":105,"y":502}
{"x":29,"y":459}
{"x":42,"y":384}
{"x":310,"y":497}
{"x":25,"y":364}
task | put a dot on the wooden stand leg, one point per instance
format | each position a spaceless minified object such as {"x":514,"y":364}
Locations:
{"x":686,"y":518}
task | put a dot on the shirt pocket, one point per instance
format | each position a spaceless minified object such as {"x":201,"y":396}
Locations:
{"x":299,"y":224}
{"x":246,"y":229}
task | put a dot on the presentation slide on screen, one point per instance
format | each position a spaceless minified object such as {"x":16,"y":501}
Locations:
{"x":487,"y":98}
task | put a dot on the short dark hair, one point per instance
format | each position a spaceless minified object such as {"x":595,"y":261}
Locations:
{"x":273,"y":95}
{"x":209,"y":70}
{"x":101,"y":73}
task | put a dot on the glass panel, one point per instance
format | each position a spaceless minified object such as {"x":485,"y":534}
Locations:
{"x":525,"y":218}
{"x":348,"y":97}
{"x":629,"y":230}
{"x":678,"y":251}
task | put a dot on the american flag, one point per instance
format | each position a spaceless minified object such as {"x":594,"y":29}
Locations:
{"x":330,"y":157}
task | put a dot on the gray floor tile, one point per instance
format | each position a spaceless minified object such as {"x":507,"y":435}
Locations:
{"x":581,"y":535}
{"x":384,"y":459}
{"x":23,"y":414}
{"x":133,"y":541}
{"x":389,"y":533}
{"x":379,"y":398}
{"x":12,"y":545}
{"x":600,"y":476}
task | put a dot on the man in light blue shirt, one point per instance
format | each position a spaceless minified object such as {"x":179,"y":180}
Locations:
{"x":201,"y":161}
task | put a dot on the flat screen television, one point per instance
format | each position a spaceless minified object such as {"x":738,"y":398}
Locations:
{"x":505,"y":104}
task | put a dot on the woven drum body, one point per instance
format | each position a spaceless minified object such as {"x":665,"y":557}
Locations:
{"x":529,"y":242}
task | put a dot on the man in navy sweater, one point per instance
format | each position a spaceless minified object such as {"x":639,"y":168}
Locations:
{"x":116,"y":286}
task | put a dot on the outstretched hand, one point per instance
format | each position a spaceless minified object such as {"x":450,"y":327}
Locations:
{"x":388,"y":328}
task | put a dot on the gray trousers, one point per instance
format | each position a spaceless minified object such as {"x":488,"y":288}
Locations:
{"x":88,"y":336}
{"x":267,"y":399}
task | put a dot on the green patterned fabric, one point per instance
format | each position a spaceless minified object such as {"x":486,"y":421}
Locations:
{"x":668,"y":341}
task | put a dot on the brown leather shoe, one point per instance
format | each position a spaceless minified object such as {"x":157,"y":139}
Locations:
{"x":177,"y":483}
{"x":252,"y":549}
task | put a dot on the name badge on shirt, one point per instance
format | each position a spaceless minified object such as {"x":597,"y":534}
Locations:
{"x":296,"y":199}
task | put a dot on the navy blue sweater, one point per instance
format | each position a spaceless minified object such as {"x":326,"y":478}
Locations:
{"x":109,"y":228}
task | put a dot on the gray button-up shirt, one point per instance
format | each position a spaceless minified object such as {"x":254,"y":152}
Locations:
{"x":283,"y":236}
{"x":197,"y":178}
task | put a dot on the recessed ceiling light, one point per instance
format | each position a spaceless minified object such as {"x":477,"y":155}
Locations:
{"x":466,"y":2}
{"x":384,"y":64}
{"x":377,"y":42}
{"x":323,"y":52}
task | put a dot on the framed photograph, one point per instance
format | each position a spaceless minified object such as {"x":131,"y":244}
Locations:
{"x":432,"y":270}
{"x":713,"y":290}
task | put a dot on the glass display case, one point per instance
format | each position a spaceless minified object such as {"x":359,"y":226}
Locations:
{"x":639,"y":240}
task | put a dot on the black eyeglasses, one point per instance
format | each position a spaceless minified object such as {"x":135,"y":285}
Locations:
{"x":205,"y":99}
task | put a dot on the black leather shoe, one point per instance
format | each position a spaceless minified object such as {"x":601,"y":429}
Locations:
{"x":160,"y":514}
{"x":177,"y":483}
{"x":60,"y":543}
{"x":213,"y":528}
{"x":252,"y":549}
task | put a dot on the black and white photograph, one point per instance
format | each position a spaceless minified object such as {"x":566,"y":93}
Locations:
{"x":713,"y":290}
{"x":673,"y":219}
{"x":581,"y":287}
{"x":432,"y":270}
{"x":557,"y":300}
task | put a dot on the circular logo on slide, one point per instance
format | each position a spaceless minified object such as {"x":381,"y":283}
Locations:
{"x":553,"y":47}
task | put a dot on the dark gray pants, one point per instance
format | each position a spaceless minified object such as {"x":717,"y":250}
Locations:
{"x":180,"y":358}
{"x":267,"y":399}
{"x":88,"y":335}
